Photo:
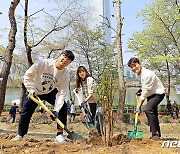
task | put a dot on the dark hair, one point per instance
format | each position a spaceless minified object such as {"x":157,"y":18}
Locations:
{"x":132,"y":61}
{"x":69,"y":54}
{"x":78,"y":78}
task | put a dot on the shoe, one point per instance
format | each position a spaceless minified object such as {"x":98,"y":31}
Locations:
{"x":17,"y":138}
{"x":60,"y":139}
{"x":155,"y":137}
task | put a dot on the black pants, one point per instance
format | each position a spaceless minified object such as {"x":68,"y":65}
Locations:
{"x":14,"y":118}
{"x":99,"y":124}
{"x":93,"y":107}
{"x":29,"y":107}
{"x":151,"y":111}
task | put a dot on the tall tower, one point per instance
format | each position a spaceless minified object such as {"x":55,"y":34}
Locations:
{"x":100,"y":9}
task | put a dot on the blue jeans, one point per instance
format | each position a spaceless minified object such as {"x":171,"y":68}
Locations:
{"x":29,"y":107}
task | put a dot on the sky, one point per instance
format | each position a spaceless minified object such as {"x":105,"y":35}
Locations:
{"x":131,"y":23}
{"x":130,"y":8}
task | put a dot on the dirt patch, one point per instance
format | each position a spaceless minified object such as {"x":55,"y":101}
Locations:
{"x":41,"y":140}
{"x":119,"y":139}
{"x":94,"y":139}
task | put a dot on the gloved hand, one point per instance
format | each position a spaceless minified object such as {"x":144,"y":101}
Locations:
{"x":31,"y":92}
{"x":54,"y":116}
{"x":138,"y":93}
{"x":84,"y":104}
{"x":138,"y":109}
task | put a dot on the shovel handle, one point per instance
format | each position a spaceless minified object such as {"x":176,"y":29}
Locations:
{"x":136,"y":116}
{"x":39,"y":102}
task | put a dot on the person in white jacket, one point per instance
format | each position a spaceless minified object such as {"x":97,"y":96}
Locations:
{"x":49,"y":80}
{"x":86,"y":84}
{"x":152,"y":90}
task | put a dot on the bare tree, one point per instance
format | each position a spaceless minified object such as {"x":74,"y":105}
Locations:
{"x":118,"y":31}
{"x":122,"y":89}
{"x":56,"y":27}
{"x":9,"y":52}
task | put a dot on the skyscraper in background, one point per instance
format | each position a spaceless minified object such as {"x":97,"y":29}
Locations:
{"x":100,"y":9}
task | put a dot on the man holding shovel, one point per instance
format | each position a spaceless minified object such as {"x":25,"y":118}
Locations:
{"x":152,"y":90}
{"x":49,"y":80}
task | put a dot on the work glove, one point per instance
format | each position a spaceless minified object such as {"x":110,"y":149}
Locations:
{"x":54,"y":116}
{"x":138,"y":93}
{"x":31,"y":93}
{"x":84,"y":105}
{"x":138,"y":109}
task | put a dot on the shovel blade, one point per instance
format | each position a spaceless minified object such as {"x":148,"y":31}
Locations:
{"x":89,"y":125}
{"x":74,"y":136}
{"x":134,"y":134}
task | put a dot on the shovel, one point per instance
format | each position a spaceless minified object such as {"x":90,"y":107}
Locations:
{"x":87,"y":117}
{"x":71,"y":135}
{"x":135,"y":134}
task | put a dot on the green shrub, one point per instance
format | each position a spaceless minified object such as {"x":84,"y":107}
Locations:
{"x":35,"y":118}
{"x":48,"y":121}
{"x":165,"y":119}
{"x":3,"y":119}
{"x":126,"y":118}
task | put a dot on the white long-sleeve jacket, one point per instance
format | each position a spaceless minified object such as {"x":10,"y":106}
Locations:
{"x":150,"y":83}
{"x":43,"y":76}
{"x":90,"y":89}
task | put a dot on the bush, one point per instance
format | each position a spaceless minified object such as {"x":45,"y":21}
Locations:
{"x":3,"y":119}
{"x":127,"y":118}
{"x":35,"y":118}
{"x":49,"y":121}
{"x":165,"y":119}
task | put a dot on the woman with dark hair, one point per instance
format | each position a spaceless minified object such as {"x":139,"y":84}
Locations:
{"x":85,"y":83}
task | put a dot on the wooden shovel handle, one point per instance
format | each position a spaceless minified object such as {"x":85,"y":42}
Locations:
{"x":39,"y":102}
{"x":136,"y":116}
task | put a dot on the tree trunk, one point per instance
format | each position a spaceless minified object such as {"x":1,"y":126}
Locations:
{"x":122,"y":90}
{"x":9,"y":52}
{"x":169,"y":82}
{"x":23,"y":91}
{"x":28,"y":51}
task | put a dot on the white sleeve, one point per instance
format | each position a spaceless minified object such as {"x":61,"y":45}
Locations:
{"x":30,"y":75}
{"x":91,"y":85}
{"x":63,"y":90}
{"x":147,"y":84}
{"x":79,"y":95}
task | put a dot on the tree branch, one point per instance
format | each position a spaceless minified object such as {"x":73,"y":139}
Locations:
{"x":174,"y":40}
{"x":107,"y":24}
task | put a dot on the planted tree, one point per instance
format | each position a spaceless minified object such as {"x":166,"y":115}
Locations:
{"x":106,"y":90}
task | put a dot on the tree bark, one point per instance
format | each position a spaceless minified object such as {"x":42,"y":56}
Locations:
{"x":169,"y":81}
{"x":122,"y":89}
{"x":9,"y":53}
